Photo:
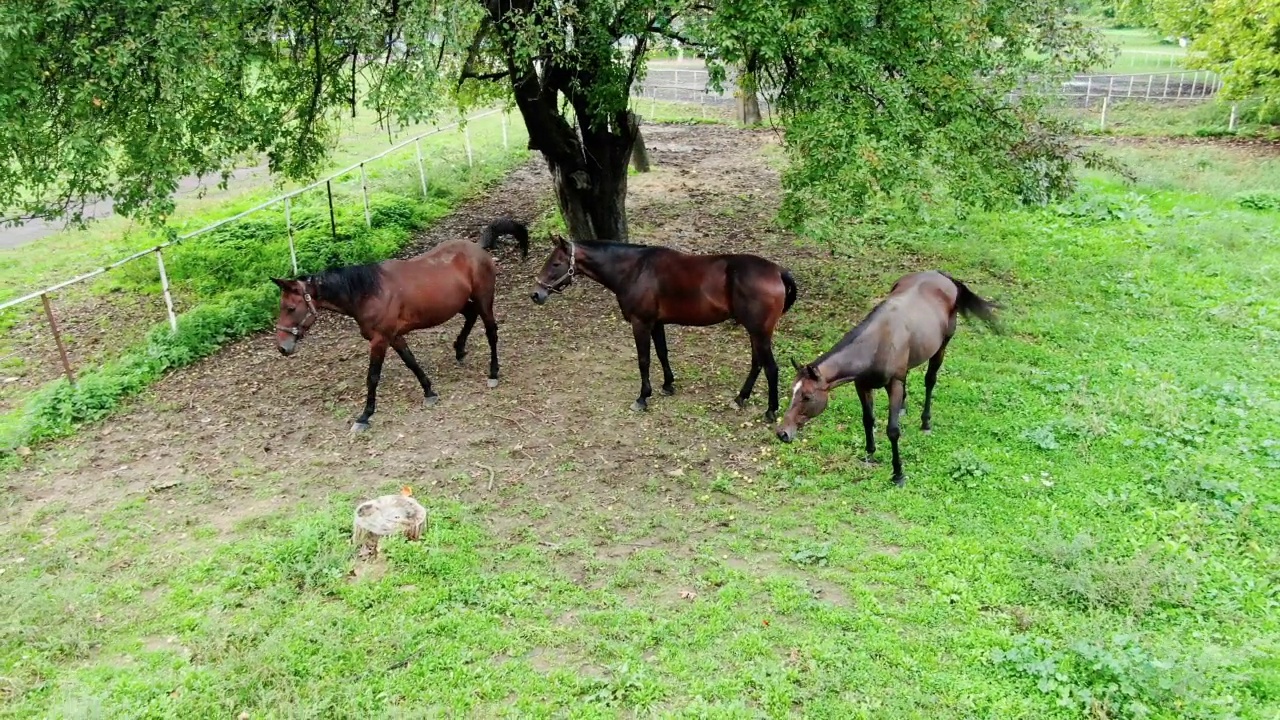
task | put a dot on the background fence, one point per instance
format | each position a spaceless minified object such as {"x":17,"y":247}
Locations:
{"x":49,"y":333}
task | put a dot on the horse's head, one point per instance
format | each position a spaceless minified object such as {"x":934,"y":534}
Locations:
{"x":297,"y":314}
{"x":557,"y":272}
{"x":808,"y":400}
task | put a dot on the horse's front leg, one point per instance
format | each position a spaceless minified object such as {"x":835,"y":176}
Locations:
{"x":643,"y":333}
{"x":377,"y":353}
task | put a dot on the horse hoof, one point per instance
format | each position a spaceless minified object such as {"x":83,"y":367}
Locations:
{"x":926,"y":430}
{"x":900,"y":480}
{"x":359,"y":427}
{"x":770,"y":417}
{"x":668,"y":389}
{"x":738,"y":404}
{"x":638,"y":406}
{"x":870,"y":461}
{"x":493,"y":382}
{"x":432,"y":400}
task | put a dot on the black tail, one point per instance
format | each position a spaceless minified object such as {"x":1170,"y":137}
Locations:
{"x":969,"y":304}
{"x":792,"y":291}
{"x":506,"y":226}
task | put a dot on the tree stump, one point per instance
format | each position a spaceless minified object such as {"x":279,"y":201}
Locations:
{"x":387,"y":515}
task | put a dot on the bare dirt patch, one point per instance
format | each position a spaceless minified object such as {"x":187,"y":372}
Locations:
{"x":248,"y":432}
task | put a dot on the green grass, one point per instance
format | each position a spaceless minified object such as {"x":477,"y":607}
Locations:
{"x":1142,"y":50}
{"x":1135,"y":118}
{"x":1091,"y":530}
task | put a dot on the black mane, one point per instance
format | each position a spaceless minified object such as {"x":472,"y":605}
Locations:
{"x":346,"y":287}
{"x":852,"y":336}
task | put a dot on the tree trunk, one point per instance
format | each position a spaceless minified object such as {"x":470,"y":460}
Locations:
{"x":640,"y":154}
{"x":748,"y":108}
{"x":588,"y":165}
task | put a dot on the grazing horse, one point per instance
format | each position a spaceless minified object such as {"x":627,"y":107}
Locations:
{"x":506,"y":226}
{"x":913,"y":324}
{"x":658,"y":286}
{"x":393,"y":297}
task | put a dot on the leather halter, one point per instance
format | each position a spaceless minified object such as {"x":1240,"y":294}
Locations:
{"x":554,"y":285}
{"x":298,"y":330}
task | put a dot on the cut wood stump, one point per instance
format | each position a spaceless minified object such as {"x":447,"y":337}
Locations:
{"x":387,"y":515}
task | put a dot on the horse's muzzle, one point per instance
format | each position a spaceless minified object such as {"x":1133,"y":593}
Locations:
{"x":539,"y":296}
{"x":786,"y":435}
{"x":288,"y":347}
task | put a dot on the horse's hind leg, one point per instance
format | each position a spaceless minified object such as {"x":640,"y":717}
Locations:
{"x":931,"y":379}
{"x":377,"y":353}
{"x":485,"y":309}
{"x":402,"y":349}
{"x":643,"y":334}
{"x":660,"y":344}
{"x":469,"y":314}
{"x":897,"y":392}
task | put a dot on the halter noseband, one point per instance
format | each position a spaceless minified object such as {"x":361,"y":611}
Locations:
{"x":554,"y":285}
{"x":302,"y":327}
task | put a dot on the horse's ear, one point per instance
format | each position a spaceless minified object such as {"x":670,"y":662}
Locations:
{"x":559,"y":239}
{"x":812,"y":372}
{"x":796,"y":365}
{"x":283,"y":284}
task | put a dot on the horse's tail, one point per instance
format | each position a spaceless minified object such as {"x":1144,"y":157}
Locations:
{"x":970,"y":304}
{"x":506,"y":226}
{"x":792,"y":290}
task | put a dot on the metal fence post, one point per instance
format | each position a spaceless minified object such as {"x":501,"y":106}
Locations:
{"x":364,"y":190}
{"x":1181,"y":78}
{"x":288,"y":224}
{"x":653,"y":103}
{"x":1150,"y":78}
{"x":505,"y":144}
{"x":1164,"y":94}
{"x":1231,"y":124}
{"x":466,"y":139}
{"x":333,"y":223}
{"x":1088,"y":90}
{"x":1105,"y":101}
{"x":1129,"y":91}
{"x":422,"y":171}
{"x":57,"y":338}
{"x":164,"y":287}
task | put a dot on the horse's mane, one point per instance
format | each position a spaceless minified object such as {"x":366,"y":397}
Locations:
{"x":348,"y":286}
{"x":609,"y":245}
{"x":852,"y":336}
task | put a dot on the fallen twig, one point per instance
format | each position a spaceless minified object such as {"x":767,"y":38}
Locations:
{"x":492,"y":474}
{"x":513,"y":421}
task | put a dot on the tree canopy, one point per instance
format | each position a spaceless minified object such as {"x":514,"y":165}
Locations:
{"x":122,"y":98}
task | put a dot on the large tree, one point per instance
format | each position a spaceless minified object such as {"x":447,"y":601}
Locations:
{"x":122,"y":98}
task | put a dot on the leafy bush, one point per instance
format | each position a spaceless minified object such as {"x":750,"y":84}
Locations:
{"x":1259,"y":200}
{"x":1115,"y":679}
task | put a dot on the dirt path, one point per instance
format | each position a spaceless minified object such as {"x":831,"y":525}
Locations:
{"x":247,"y":430}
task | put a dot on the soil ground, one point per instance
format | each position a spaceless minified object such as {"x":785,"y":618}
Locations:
{"x":246,"y":431}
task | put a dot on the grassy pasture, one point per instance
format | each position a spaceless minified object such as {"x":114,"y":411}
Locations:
{"x":1090,"y":531}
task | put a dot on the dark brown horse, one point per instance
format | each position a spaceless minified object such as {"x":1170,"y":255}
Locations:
{"x":393,"y":297}
{"x":658,"y":286}
{"x":913,"y":324}
{"x":506,"y":226}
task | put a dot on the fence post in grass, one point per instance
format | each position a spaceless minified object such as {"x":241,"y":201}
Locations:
{"x":1111,"y":83}
{"x":57,"y":338}
{"x":422,"y":170}
{"x":1231,"y":124}
{"x":505,"y":144}
{"x":1088,"y":90}
{"x":164,"y":287}
{"x":702,"y":106}
{"x":288,"y":225}
{"x":1150,"y":79}
{"x":364,"y":190}
{"x":1106,"y":100}
{"x":1182,"y":77}
{"x":1129,"y":91}
{"x":1164,"y":94}
{"x":466,"y":140}
{"x":333,"y":224}
{"x":653,"y":103}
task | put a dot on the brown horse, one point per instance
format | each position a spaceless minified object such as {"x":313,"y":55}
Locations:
{"x":393,"y":297}
{"x":658,"y":286}
{"x":913,"y":324}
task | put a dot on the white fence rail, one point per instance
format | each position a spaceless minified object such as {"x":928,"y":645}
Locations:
{"x":286,"y":198}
